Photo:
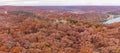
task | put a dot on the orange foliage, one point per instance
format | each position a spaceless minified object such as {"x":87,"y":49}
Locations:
{"x":57,"y":34}
{"x":16,"y":49}
{"x":4,"y":48}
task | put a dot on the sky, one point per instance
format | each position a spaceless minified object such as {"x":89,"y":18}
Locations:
{"x":59,"y":2}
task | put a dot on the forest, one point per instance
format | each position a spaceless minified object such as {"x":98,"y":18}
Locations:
{"x":46,"y":32}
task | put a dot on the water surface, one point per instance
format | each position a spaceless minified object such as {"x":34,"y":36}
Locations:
{"x":114,"y":20}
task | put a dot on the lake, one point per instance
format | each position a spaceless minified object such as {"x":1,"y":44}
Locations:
{"x":114,"y":20}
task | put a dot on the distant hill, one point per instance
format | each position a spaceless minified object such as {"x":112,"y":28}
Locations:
{"x":82,"y":8}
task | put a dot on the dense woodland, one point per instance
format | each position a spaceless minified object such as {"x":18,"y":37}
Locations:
{"x":26,"y":32}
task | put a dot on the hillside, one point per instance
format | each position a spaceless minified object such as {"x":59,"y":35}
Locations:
{"x":58,"y":31}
